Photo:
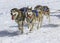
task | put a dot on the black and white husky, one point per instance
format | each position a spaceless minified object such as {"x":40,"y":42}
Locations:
{"x":19,"y":17}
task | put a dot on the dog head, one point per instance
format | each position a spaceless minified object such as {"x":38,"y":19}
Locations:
{"x":29,"y":12}
{"x":14,"y":13}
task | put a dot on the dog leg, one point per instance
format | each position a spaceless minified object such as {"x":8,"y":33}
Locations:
{"x":31,"y":27}
{"x":48,"y":16}
{"x":20,"y":26}
{"x":41,"y":20}
{"x":38,"y":23}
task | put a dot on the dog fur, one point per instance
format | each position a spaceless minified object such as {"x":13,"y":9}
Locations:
{"x":19,"y":18}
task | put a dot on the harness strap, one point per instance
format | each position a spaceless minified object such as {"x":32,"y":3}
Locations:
{"x":29,"y":16}
{"x":35,"y":11}
{"x":45,"y":9}
{"x":29,"y":20}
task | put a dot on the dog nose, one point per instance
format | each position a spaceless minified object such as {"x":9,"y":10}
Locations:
{"x":11,"y":13}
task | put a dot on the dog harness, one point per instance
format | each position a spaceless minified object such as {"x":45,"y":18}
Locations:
{"x":45,"y":9}
{"x":24,"y":9}
{"x":30,"y":17}
{"x":35,"y":12}
{"x":29,"y":20}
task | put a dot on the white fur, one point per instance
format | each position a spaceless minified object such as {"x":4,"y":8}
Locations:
{"x":15,"y":13}
{"x":38,"y":10}
{"x":30,"y":13}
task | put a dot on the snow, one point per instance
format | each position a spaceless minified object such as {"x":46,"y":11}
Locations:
{"x":48,"y":33}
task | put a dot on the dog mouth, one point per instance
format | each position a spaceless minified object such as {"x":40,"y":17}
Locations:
{"x":12,"y":17}
{"x":14,"y":14}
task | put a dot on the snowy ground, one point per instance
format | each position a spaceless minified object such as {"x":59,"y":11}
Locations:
{"x":48,"y":33}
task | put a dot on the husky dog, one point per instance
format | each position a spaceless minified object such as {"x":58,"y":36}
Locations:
{"x":30,"y":18}
{"x":19,"y":17}
{"x":39,"y":16}
{"x":46,"y":11}
{"x":42,"y":10}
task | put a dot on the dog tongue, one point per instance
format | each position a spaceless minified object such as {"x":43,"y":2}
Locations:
{"x":12,"y":17}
